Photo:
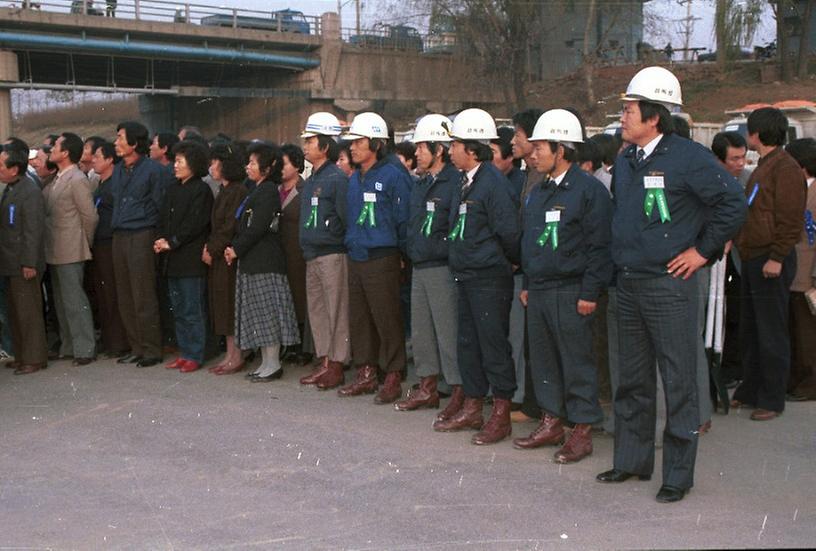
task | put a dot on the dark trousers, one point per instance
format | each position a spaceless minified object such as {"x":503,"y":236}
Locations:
{"x":188,"y":299}
{"x":562,"y":356}
{"x":484,"y":353}
{"x":375,"y":317}
{"x":5,"y":330}
{"x":114,"y":338}
{"x":764,"y":334}
{"x":134,"y":265}
{"x":732,"y":351}
{"x":657,"y":328}
{"x":27,"y":324}
{"x":600,"y":338}
{"x":803,"y":345}
{"x":167,"y":325}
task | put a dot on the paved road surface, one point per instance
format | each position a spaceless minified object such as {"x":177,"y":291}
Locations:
{"x":114,"y":457}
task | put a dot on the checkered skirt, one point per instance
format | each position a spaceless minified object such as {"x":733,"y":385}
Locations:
{"x":264,"y":311}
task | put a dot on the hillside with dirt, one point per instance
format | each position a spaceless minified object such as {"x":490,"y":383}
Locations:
{"x":707,"y":92}
{"x":98,"y":118}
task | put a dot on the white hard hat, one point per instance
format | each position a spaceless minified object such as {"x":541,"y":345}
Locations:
{"x":655,"y":84}
{"x":32,"y":154}
{"x":558,"y":125}
{"x":433,"y":128}
{"x":321,"y":123}
{"x":474,"y":124}
{"x":367,"y":125}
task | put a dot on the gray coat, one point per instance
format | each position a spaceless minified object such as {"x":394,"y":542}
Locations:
{"x":22,"y":225}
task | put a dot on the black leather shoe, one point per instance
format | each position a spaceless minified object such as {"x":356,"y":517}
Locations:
{"x":616,"y":475}
{"x":276,"y":375}
{"x":129,"y":359}
{"x":792,"y":397}
{"x":148,"y":362}
{"x":670,"y":494}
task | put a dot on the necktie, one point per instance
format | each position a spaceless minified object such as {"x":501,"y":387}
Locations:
{"x":465,"y":182}
{"x":641,"y":154}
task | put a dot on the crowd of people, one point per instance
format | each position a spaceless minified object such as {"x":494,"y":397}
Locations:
{"x":530,"y":268}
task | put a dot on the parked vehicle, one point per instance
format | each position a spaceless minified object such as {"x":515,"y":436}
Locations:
{"x":734,"y":52}
{"x":77,"y":8}
{"x":394,"y":37}
{"x":768,"y":51}
{"x":288,"y":21}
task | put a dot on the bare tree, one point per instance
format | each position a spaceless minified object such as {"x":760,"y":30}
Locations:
{"x":589,"y":53}
{"x":501,"y":37}
{"x":735,"y":23}
{"x":804,"y":41}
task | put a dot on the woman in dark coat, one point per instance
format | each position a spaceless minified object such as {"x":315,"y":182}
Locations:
{"x":289,"y":191}
{"x":183,"y":229}
{"x":264,"y":312}
{"x":227,"y":162}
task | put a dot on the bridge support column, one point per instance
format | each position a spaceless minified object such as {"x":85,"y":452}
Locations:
{"x":8,"y":73}
{"x":158,"y":113}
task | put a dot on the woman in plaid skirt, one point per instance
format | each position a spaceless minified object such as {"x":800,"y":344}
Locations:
{"x":264,"y":311}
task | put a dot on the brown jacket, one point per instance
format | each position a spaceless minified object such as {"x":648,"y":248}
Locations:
{"x":775,"y":217}
{"x":806,"y":253}
{"x":290,"y":238}
{"x":70,"y":218}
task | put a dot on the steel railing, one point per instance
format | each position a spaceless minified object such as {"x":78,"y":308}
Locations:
{"x":178,"y":12}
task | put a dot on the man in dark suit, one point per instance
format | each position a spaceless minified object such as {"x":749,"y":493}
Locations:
{"x":22,"y":259}
{"x":675,"y":207}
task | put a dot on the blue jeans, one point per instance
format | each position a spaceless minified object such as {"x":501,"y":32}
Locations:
{"x":5,"y":328}
{"x":188,"y":300}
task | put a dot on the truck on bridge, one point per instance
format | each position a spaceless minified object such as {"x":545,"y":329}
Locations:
{"x":288,"y":20}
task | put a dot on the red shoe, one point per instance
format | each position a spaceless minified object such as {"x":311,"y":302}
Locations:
{"x":175,"y":364}
{"x":188,"y":366}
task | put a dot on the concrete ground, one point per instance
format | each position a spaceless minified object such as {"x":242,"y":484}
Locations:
{"x":114,"y":457}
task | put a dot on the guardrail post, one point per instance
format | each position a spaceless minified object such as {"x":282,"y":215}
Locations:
{"x":234,"y":18}
{"x":84,"y":7}
{"x":187,"y":13}
{"x":137,"y":8}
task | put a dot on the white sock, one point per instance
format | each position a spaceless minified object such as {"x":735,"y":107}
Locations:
{"x":271,"y":362}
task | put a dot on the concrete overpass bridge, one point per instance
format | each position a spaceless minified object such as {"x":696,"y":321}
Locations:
{"x":193,"y":64}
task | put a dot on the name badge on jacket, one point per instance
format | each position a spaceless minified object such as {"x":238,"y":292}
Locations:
{"x":653,"y":182}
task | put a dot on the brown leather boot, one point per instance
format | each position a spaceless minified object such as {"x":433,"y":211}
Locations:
{"x":365,"y":382}
{"x":391,"y":389}
{"x":468,"y":417}
{"x":332,"y":377}
{"x":454,"y":405}
{"x":425,"y":396}
{"x":312,"y":377}
{"x":498,"y":427}
{"x":549,"y":432}
{"x":578,"y":446}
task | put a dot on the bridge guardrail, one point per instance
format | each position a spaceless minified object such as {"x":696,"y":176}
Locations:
{"x":179,"y":12}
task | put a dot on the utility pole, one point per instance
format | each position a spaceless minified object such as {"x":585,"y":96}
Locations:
{"x":687,"y":24}
{"x":340,"y":4}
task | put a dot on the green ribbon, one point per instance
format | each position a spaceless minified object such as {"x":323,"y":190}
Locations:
{"x":550,"y":232}
{"x":653,"y":196}
{"x":428,"y":223}
{"x":312,"y":221}
{"x":459,"y":229}
{"x":367,"y":212}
